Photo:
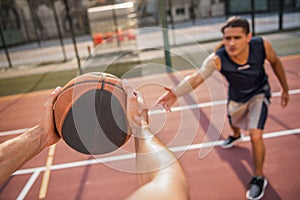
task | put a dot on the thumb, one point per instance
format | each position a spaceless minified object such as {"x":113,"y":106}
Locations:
{"x":54,"y":95}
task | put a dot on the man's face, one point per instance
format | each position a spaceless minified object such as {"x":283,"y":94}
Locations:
{"x":236,"y":41}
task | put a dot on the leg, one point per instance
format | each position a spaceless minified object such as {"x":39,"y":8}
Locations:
{"x":258,"y":183}
{"x":236,"y":131}
{"x":236,"y":112}
{"x":258,"y":112}
{"x":237,"y":117}
{"x":233,"y":139}
{"x":258,"y":149}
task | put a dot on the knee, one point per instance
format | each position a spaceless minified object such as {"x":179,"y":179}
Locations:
{"x":256,"y":136}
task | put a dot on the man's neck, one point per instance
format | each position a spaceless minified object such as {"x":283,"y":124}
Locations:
{"x":241,"y":58}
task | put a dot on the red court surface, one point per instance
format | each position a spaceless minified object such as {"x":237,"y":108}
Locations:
{"x":213,"y":173}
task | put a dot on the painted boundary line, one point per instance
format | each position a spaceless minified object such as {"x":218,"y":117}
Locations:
{"x":36,"y":171}
{"x":212,"y":103}
{"x":13,"y":132}
{"x":46,"y":176}
{"x":29,"y":184}
{"x":132,"y":155}
{"x":174,"y":109}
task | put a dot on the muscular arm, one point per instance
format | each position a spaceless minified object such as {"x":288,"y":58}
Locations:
{"x":189,"y":83}
{"x":278,"y":70}
{"x":159,"y":173}
{"x":192,"y":81}
{"x":17,"y":151}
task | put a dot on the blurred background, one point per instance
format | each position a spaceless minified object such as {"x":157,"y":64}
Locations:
{"x":61,"y":30}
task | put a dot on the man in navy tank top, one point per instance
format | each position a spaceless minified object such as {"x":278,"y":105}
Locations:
{"x":240,"y":59}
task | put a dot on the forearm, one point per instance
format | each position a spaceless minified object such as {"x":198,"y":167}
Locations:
{"x":159,"y":173}
{"x":17,"y":151}
{"x":154,"y":159}
{"x":280,"y":74}
{"x":150,"y":156}
{"x":188,"y":84}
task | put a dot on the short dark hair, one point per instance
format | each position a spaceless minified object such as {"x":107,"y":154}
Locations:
{"x":234,"y":22}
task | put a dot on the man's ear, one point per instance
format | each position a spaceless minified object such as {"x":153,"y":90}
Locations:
{"x":249,"y":37}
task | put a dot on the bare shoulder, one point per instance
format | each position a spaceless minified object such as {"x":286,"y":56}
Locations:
{"x":267,"y":43}
{"x":216,"y":61}
{"x":270,"y":53}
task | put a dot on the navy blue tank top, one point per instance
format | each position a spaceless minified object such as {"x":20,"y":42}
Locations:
{"x":249,"y":79}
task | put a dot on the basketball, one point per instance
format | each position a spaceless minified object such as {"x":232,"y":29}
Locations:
{"x":90,"y":113}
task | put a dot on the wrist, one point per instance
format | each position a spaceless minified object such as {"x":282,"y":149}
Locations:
{"x":47,"y":136}
{"x":173,"y":92}
{"x":144,"y":124}
{"x":41,"y":135}
{"x":141,"y":130}
{"x":286,"y":90}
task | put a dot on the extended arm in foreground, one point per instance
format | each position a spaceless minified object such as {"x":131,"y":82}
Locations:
{"x":159,"y":172}
{"x":17,"y":151}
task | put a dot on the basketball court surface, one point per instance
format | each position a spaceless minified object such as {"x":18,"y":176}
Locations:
{"x":193,"y":131}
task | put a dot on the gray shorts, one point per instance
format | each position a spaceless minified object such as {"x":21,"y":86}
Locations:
{"x":249,"y":115}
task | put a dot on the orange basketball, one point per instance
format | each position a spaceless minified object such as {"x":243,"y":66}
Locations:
{"x":90,"y":113}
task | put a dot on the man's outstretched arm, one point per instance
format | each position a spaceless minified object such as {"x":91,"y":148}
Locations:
{"x":159,"y":173}
{"x":190,"y":82}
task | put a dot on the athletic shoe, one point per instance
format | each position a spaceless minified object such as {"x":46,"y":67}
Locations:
{"x":257,"y":188}
{"x":231,"y":141}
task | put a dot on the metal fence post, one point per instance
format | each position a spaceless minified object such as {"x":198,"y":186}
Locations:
{"x":281,"y":4}
{"x":33,"y":17}
{"x":58,"y":29}
{"x":3,"y":41}
{"x":163,"y":19}
{"x":227,"y":8}
{"x":253,"y":16}
{"x":73,"y":35}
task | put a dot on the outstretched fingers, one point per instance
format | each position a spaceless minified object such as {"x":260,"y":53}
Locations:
{"x":167,"y":99}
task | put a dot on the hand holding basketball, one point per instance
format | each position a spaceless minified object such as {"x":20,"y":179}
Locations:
{"x":90,"y":113}
{"x":46,"y":122}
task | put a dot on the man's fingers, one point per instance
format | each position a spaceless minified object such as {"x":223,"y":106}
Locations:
{"x":284,"y":102}
{"x":162,"y":101}
{"x":284,"y":99}
{"x":128,"y":89}
{"x":164,"y":104}
{"x":53,"y":96}
{"x":168,"y":89}
{"x":57,"y":90}
{"x":167,"y":108}
{"x":139,"y":97}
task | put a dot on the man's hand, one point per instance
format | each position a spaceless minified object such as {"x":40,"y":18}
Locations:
{"x":46,"y":123}
{"x":167,"y":99}
{"x":284,"y":98}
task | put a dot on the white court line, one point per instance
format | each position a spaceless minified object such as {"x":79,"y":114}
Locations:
{"x":28,"y":185}
{"x":5,"y":133}
{"x":174,"y":109}
{"x":132,"y":155}
{"x":209,"y":104}
{"x":38,"y":170}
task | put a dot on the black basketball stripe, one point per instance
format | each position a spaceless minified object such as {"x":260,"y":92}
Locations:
{"x":82,"y":132}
